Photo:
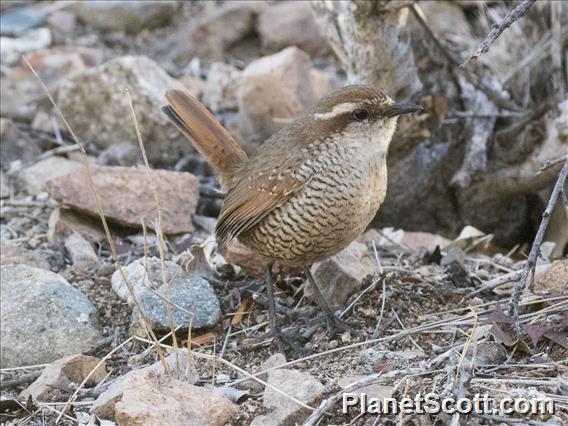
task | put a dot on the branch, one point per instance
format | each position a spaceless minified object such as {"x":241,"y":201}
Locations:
{"x":496,"y":31}
{"x":493,"y":91}
{"x":528,"y":273}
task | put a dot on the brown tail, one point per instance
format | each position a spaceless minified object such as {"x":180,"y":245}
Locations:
{"x":206,"y":134}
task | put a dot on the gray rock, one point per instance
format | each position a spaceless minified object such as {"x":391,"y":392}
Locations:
{"x":275,"y":360}
{"x":141,"y":275}
{"x":193,"y":301}
{"x":275,"y":89}
{"x":285,"y":412}
{"x":15,"y":145}
{"x":43,"y":317}
{"x":21,"y":89}
{"x":128,"y":16}
{"x":16,"y":253}
{"x":101,"y":91}
{"x":32,"y":179}
{"x":120,"y":154}
{"x":220,"y":89}
{"x":17,"y":21}
{"x":290,"y":23}
{"x":81,"y":252}
{"x":341,"y":275}
{"x":11,"y":49}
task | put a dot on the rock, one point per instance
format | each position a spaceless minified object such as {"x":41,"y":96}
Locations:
{"x":15,"y":145}
{"x":554,"y":278}
{"x":43,"y":317}
{"x":142,"y":278}
{"x":275,"y":360}
{"x":21,"y":89}
{"x":17,"y":21}
{"x":252,"y":385}
{"x":64,"y":222}
{"x":489,"y":353}
{"x":61,"y":23}
{"x":146,"y":400}
{"x":16,"y":253}
{"x":11,"y":49}
{"x":81,"y":252}
{"x":341,"y":275}
{"x":127,"y":196}
{"x":195,"y":86}
{"x":290,"y":23}
{"x":32,"y":179}
{"x":454,"y":270}
{"x":220,"y":89}
{"x":285,"y":412}
{"x":412,"y":240}
{"x":57,"y":376}
{"x":212,"y":35}
{"x":273,"y":90}
{"x":373,"y":391}
{"x":101,"y":91}
{"x":63,"y":61}
{"x":128,"y":16}
{"x":194,"y":303}
{"x":120,"y":154}
{"x":104,"y":406}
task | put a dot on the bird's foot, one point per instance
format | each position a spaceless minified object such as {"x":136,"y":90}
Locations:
{"x":336,"y":325}
{"x":282,"y":341}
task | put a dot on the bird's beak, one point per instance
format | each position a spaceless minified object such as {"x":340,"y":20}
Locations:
{"x":399,"y":108}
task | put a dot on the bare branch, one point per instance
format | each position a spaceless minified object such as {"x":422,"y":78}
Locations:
{"x":531,"y":262}
{"x":496,"y":31}
{"x":493,"y":92}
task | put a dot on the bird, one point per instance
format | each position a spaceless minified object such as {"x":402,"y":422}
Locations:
{"x":309,"y":190}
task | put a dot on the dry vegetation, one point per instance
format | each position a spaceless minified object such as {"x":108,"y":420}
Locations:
{"x":478,"y":312}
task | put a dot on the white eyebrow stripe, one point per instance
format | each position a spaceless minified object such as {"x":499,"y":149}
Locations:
{"x":336,"y":110}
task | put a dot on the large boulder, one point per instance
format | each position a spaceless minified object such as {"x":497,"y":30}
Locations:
{"x":273,"y":90}
{"x":128,"y":16}
{"x":290,"y":23}
{"x":43,"y":318}
{"x":97,"y":107}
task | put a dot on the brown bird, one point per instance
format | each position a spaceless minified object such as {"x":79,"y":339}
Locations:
{"x":310,"y":189}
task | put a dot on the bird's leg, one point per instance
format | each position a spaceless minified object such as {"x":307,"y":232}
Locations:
{"x":279,"y":337}
{"x":334,"y":324}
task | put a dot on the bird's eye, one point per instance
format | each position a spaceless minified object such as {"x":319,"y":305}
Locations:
{"x":360,"y":114}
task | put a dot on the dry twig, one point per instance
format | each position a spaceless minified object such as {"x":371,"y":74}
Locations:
{"x":514,"y":14}
{"x":528,"y":272}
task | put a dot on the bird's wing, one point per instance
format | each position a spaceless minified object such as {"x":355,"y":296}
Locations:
{"x":252,"y":199}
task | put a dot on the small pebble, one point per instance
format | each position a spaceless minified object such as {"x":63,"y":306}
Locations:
{"x":346,"y":337}
{"x":333,"y":344}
